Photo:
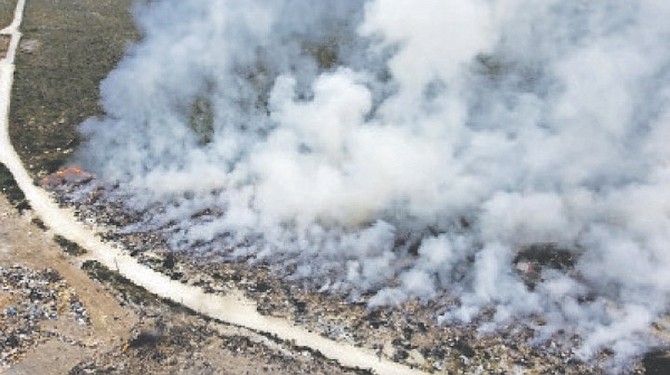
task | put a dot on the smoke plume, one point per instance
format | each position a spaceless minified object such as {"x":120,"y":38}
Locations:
{"x":510,"y":154}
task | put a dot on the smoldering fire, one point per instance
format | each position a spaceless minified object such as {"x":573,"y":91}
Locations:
{"x":427,"y":143}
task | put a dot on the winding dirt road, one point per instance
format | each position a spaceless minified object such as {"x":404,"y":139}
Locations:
{"x":233,"y":308}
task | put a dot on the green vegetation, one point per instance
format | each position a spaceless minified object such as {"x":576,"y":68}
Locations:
{"x":129,"y":292}
{"x":66,"y":50}
{"x":202,"y":120}
{"x":71,"y":248}
{"x":7,"y":12}
{"x":325,"y":53}
{"x":39,"y":223}
{"x":11,"y":190}
{"x":490,"y":65}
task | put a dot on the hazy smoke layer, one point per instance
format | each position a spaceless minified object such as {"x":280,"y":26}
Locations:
{"x":404,"y":149}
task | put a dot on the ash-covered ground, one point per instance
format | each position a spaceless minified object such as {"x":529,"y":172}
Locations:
{"x":410,"y":332}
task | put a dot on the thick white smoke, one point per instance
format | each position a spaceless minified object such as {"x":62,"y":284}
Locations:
{"x":400,"y":149}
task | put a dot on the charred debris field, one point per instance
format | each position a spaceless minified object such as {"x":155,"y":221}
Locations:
{"x":491,"y":200}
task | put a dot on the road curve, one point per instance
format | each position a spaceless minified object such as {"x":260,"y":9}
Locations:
{"x":233,"y":308}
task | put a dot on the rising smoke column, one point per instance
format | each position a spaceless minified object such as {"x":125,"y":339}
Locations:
{"x":419,"y":146}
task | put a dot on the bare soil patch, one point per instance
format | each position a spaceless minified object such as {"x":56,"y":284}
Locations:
{"x":4,"y":45}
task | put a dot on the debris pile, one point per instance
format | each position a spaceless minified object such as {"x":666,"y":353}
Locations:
{"x":28,"y":298}
{"x":168,"y":342}
{"x":408,"y":334}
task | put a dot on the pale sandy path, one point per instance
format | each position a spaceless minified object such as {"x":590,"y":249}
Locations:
{"x":233,"y":308}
